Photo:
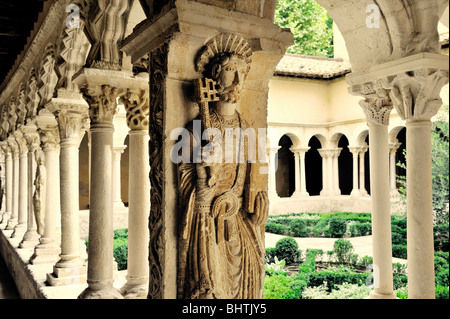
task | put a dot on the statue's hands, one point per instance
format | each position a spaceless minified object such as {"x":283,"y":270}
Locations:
{"x":261,"y":208}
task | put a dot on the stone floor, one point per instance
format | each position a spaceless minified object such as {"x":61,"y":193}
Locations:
{"x":7,"y":287}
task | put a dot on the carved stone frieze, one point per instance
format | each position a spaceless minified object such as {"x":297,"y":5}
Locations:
{"x":47,"y":77}
{"x":32,"y":97}
{"x":49,"y":137}
{"x":12,"y":115}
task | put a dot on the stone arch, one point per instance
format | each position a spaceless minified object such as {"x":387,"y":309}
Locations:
{"x":285,"y":174}
{"x":361,"y":139}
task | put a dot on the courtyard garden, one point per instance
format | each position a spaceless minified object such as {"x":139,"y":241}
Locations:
{"x":339,"y":273}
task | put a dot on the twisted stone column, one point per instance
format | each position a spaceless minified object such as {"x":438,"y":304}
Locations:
{"x":377,"y":107}
{"x":415,"y":90}
{"x":48,"y":249}
{"x":71,"y":119}
{"x":136,"y":102}
{"x":31,"y":237}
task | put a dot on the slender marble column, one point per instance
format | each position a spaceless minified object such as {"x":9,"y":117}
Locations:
{"x":12,"y":222}
{"x":102,"y":108}
{"x":21,"y":226}
{"x":325,"y":173}
{"x":2,"y":180}
{"x":362,"y":171}
{"x":335,"y":158}
{"x":137,"y":106}
{"x":8,"y":184}
{"x":416,"y":95}
{"x":273,"y":167}
{"x":48,"y":249}
{"x":31,"y":237}
{"x":377,"y":107}
{"x":71,"y":119}
{"x":300,"y":179}
{"x":355,"y":154}
{"x":393,"y":147}
{"x":116,"y":178}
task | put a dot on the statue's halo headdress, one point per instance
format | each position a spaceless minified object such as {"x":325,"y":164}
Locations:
{"x":224,"y":43}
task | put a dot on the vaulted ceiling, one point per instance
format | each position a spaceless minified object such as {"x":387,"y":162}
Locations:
{"x":17,"y":18}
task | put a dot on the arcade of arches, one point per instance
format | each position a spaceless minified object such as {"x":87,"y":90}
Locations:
{"x":87,"y":111}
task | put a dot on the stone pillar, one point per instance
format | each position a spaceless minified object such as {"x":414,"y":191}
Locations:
{"x":355,"y":154}
{"x":102,"y":101}
{"x":393,"y":147}
{"x":362,"y":171}
{"x":48,"y":249}
{"x":8,"y":183}
{"x":31,"y":237}
{"x":415,"y":90}
{"x":117,"y":152}
{"x":71,"y":118}
{"x":136,"y":103}
{"x":300,"y":178}
{"x":273,"y":166}
{"x":2,"y":180}
{"x":327,"y":171}
{"x":21,"y":226}
{"x":174,"y":35}
{"x":13,"y":219}
{"x":377,"y":107}
{"x":335,"y":158}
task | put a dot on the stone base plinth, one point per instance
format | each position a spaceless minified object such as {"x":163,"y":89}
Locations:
{"x":45,"y":255}
{"x":71,"y":276}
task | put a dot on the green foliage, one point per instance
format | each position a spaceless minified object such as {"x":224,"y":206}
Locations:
{"x":276,"y":268}
{"x":399,"y":251}
{"x":287,"y":249}
{"x":310,"y":24}
{"x":337,"y":277}
{"x":271,"y":253}
{"x":343,"y":250}
{"x":343,"y":291}
{"x":338,"y":227}
{"x":298,"y":228}
{"x":441,"y":292}
{"x":277,"y":286}
{"x":276,"y":228}
{"x":120,"y":252}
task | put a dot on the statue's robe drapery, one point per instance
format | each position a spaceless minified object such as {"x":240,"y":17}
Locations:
{"x":221,"y":251}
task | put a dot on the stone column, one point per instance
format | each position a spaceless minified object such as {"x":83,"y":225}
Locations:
{"x":327,"y":172}
{"x":31,"y":237}
{"x":173,"y":36}
{"x":8,"y":183}
{"x":117,"y":152}
{"x":300,"y":178}
{"x":377,"y":107}
{"x":48,"y":249}
{"x":13,"y":219}
{"x":355,"y":154}
{"x":102,"y":101}
{"x":362,"y":171}
{"x":336,"y":189}
{"x":2,"y":180}
{"x":415,"y":90}
{"x":71,"y":117}
{"x":21,"y":226}
{"x":273,"y":166}
{"x":136,"y":103}
{"x":393,"y":147}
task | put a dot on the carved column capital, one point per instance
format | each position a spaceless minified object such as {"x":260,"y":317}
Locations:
{"x":71,"y":120}
{"x":32,"y":138}
{"x":13,"y":146}
{"x":377,"y":104}
{"x":393,"y":147}
{"x":49,"y":137}
{"x":330,"y":152}
{"x":301,"y":151}
{"x":21,"y":142}
{"x":416,"y":94}
{"x":102,"y":100}
{"x":136,"y":103}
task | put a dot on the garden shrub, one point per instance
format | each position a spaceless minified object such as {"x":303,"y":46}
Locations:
{"x":276,"y":228}
{"x":365,"y":261}
{"x":277,"y":286}
{"x":344,"y":291}
{"x":343,"y":250}
{"x":399,"y":251}
{"x":320,"y":228}
{"x":360,"y":229}
{"x":121,"y":233}
{"x":335,"y":278}
{"x":120,"y":252}
{"x":298,"y":228}
{"x":441,"y":292}
{"x":338,"y":227}
{"x":270,"y":255}
{"x":287,"y":249}
{"x":397,"y":239}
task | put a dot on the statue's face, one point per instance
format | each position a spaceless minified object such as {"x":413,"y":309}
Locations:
{"x":231,"y":79}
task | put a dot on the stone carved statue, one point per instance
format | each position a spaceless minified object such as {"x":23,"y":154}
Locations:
{"x":39,"y":191}
{"x":223,"y":210}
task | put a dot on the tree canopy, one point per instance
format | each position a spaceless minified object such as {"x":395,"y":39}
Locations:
{"x":311,"y":25}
